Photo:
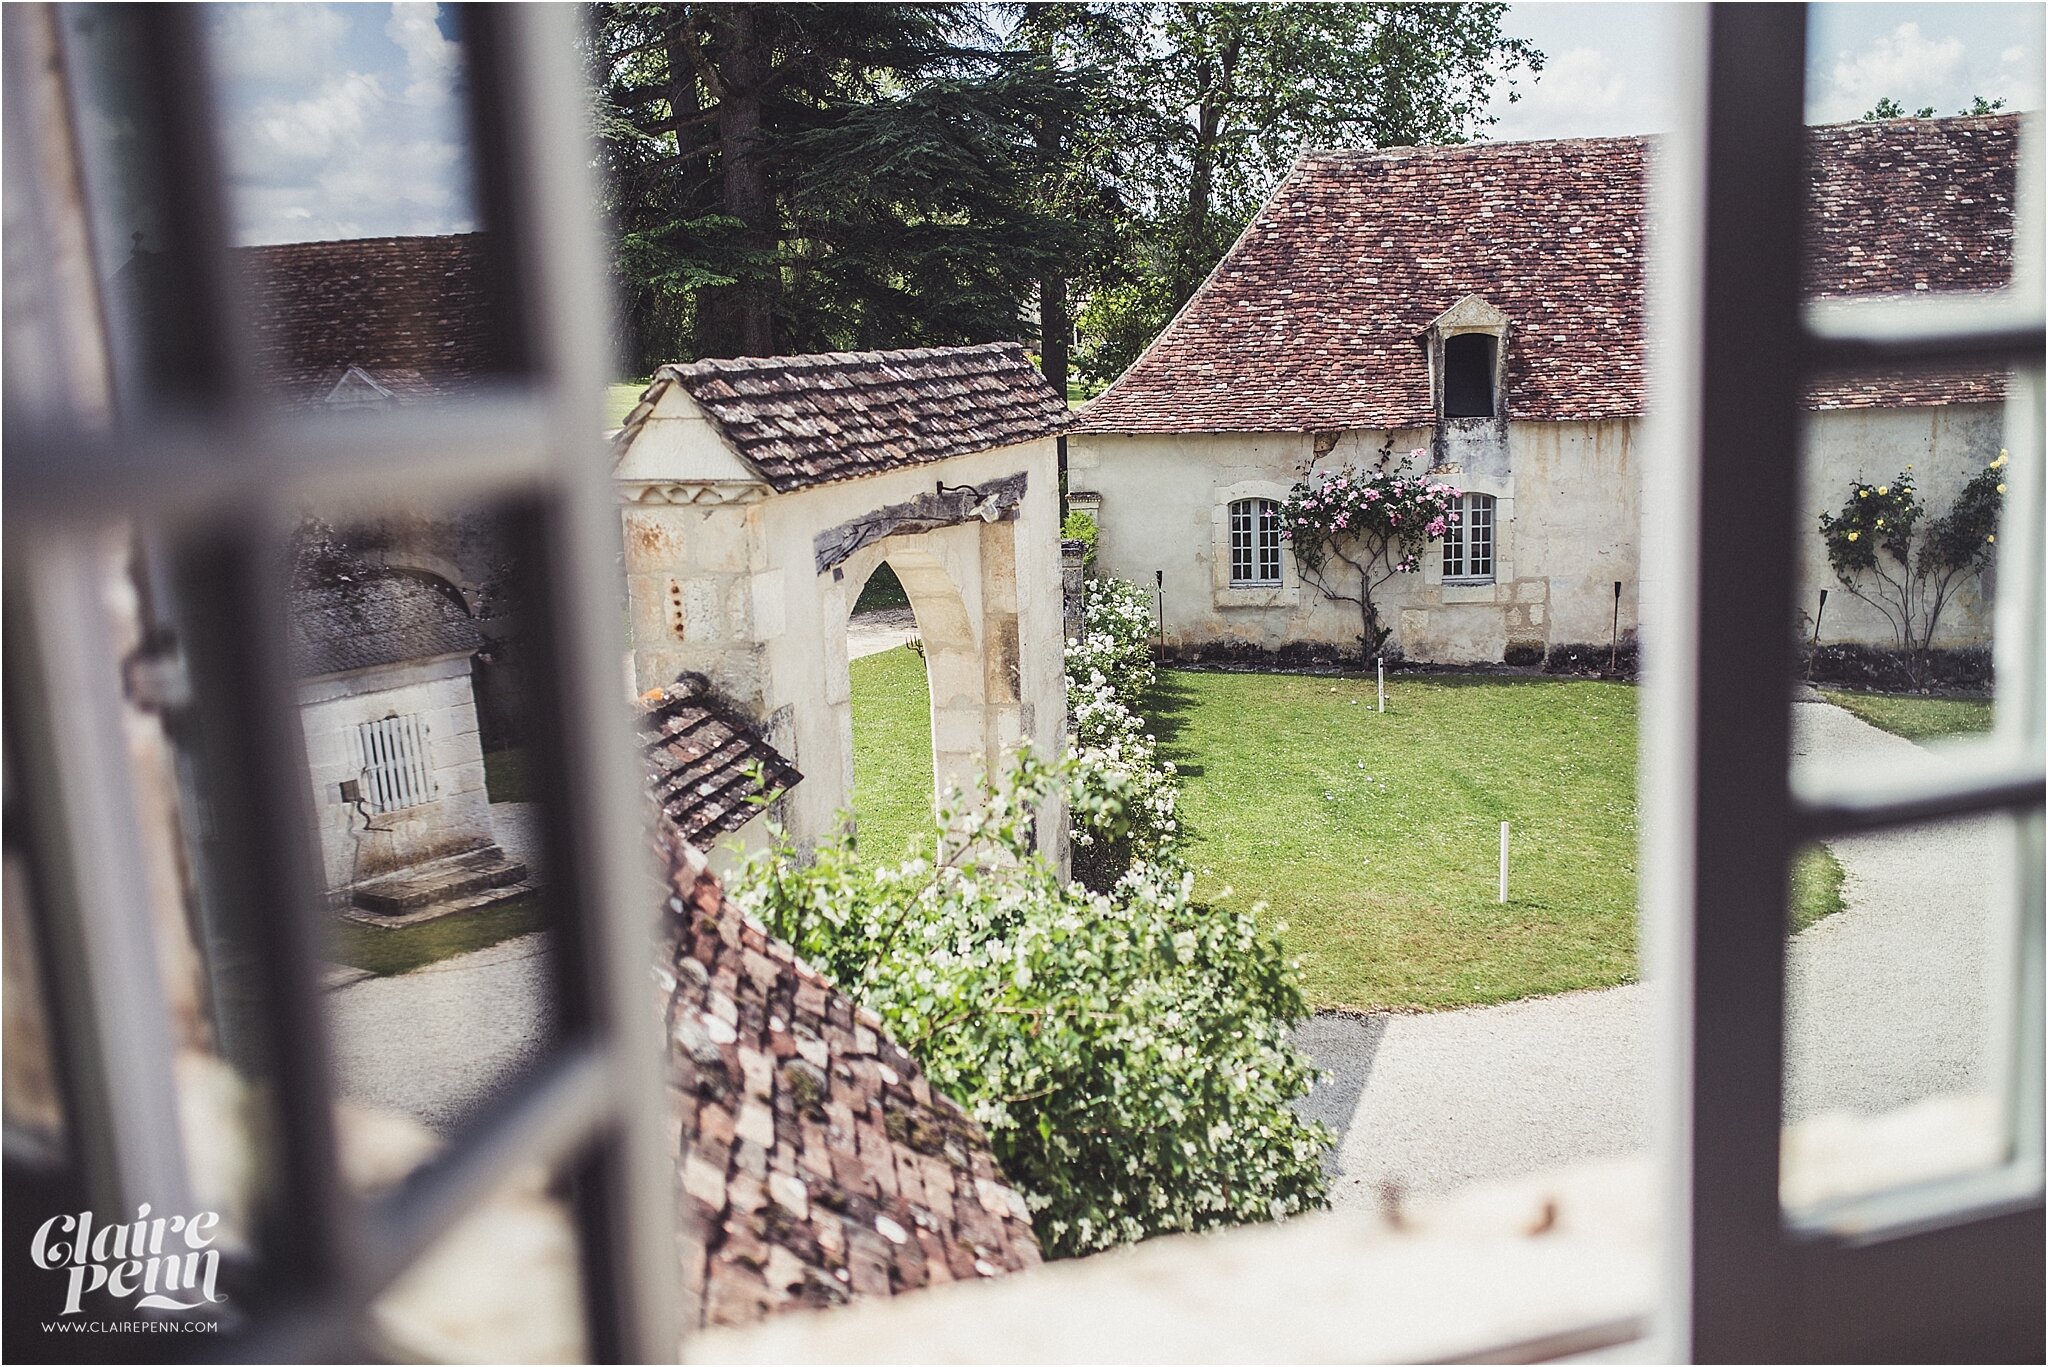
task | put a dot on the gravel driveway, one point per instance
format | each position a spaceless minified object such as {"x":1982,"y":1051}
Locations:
{"x":434,"y":1042}
{"x":877,"y":630}
{"x":1887,"y":1003}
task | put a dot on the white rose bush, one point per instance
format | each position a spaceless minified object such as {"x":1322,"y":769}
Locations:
{"x":1126,"y":1048}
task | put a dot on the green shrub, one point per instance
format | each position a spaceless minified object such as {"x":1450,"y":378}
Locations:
{"x":1080,"y":526}
{"x":1128,"y":1053}
{"x":1109,"y":668}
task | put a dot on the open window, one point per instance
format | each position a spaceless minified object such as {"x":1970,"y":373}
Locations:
{"x":1468,"y":375}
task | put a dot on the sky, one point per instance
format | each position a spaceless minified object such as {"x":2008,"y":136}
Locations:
{"x":344,"y":120}
{"x":1608,"y":67}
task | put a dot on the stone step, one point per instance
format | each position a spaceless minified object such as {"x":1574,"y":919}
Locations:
{"x":434,"y":911}
{"x":445,"y":880}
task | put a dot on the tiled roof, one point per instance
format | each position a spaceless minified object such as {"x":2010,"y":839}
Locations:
{"x":419,"y":315}
{"x":1312,"y":322}
{"x":700,"y":760}
{"x":804,"y":420}
{"x":817,"y":1164}
{"x":381,"y":617}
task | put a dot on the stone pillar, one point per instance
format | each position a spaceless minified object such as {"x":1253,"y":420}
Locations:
{"x":1073,"y":585}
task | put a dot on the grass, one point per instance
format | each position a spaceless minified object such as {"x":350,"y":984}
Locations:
{"x":619,"y":400}
{"x":507,"y":775}
{"x":892,"y":752}
{"x":387,"y":952}
{"x":1916,"y":718}
{"x":1375,"y":837}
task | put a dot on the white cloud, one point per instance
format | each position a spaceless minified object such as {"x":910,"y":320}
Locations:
{"x":1904,"y":65}
{"x":274,"y":42}
{"x":1576,"y":95}
{"x":360,"y":136}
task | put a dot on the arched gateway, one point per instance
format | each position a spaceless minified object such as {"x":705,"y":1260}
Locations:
{"x":760,"y":494}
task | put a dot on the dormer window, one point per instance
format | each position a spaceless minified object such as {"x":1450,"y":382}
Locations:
{"x":1468,"y":375}
{"x":1465,"y":344}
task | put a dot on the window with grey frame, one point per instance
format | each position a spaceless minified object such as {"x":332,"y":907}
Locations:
{"x":1254,"y":543}
{"x":1468,"y":543}
{"x":146,"y":426}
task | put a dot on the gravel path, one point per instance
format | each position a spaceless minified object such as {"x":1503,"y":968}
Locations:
{"x":434,"y":1042}
{"x":879,"y":629}
{"x":1887,"y":1002}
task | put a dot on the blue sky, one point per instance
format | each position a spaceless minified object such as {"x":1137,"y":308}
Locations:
{"x":1608,"y":66}
{"x":343,"y":120}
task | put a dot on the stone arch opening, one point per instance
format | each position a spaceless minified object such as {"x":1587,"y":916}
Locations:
{"x":968,"y":720}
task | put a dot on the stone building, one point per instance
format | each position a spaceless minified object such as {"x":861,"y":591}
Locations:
{"x":1484,"y":303}
{"x":758,"y":496}
{"x":390,"y":724}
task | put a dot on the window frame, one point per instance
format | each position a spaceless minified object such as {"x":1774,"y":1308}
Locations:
{"x":1952,"y":1267}
{"x":211,"y":483}
{"x":1262,"y":534}
{"x":1459,"y":538}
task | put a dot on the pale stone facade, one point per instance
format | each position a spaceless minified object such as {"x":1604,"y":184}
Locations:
{"x":728,"y":577}
{"x":1568,"y":527}
{"x":455,"y":815}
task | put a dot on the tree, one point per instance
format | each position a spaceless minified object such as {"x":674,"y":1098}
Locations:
{"x":821,"y":176}
{"x":1889,"y":108}
{"x":1354,"y":529}
{"x":1885,"y":550}
{"x":1235,"y":92}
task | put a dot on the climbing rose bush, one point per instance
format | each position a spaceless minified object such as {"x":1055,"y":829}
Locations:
{"x":1886,"y":549}
{"x":1127,"y":1051}
{"x":1131,"y":815}
{"x":1353,"y":529}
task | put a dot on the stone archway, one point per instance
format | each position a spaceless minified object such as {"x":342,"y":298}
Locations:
{"x":975,"y":708}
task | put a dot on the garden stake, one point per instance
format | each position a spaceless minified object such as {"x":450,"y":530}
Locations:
{"x":1381,"y":663}
{"x":1159,"y":580}
{"x":1614,"y":636}
{"x":1503,"y":896}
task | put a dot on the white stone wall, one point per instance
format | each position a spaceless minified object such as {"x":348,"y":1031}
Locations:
{"x":727,"y":586}
{"x":1567,"y":528}
{"x":356,"y":846}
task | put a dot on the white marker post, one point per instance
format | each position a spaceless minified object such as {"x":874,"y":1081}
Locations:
{"x":1382,"y":664}
{"x":1503,"y":897}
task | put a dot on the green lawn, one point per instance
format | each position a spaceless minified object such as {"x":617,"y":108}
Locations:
{"x":619,"y":400}
{"x":892,"y":752}
{"x":1920,"y":719}
{"x":385,"y":952}
{"x":1375,"y":837}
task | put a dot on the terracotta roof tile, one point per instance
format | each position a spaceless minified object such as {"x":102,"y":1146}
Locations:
{"x":701,"y":757}
{"x":816,"y":1164}
{"x":804,"y":420}
{"x":1312,"y":322}
{"x":379,"y":617}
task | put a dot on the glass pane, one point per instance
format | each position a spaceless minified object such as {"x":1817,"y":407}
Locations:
{"x":369,"y":280}
{"x":414,"y":652}
{"x":1897,"y":941}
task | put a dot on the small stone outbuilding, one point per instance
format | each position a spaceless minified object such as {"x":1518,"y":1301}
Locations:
{"x":383,"y":660}
{"x":758,"y":496}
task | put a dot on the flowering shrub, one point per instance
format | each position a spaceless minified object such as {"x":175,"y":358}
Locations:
{"x":1363,"y":527}
{"x":1127,"y":1052}
{"x":1131,"y":813}
{"x":1887,"y":551}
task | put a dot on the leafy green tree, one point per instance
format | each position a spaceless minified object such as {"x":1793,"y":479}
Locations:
{"x":795,"y":177}
{"x":1889,"y":108}
{"x":1236,"y":92}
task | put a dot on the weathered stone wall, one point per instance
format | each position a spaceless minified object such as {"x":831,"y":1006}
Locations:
{"x":723,"y":580}
{"x":459,"y":817}
{"x":1568,"y":519}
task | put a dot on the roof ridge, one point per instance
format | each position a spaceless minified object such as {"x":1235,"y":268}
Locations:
{"x":823,"y":360}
